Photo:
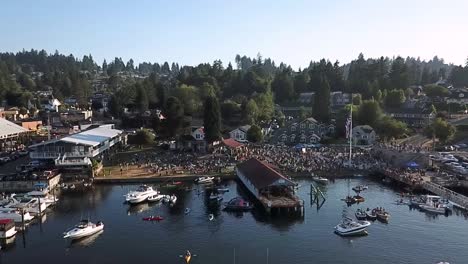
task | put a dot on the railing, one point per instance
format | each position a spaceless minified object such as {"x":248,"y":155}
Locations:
{"x":55,"y":155}
{"x":84,"y":161}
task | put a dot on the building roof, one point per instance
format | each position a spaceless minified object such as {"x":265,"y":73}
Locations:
{"x":244,"y":128}
{"x":92,"y":137}
{"x":8,"y":129}
{"x":262,"y":175}
{"x":364,"y":128}
{"x":232,"y":143}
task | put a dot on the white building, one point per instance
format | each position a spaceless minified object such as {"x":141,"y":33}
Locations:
{"x":240,"y":133}
{"x":363,"y":135}
{"x":198,"y":133}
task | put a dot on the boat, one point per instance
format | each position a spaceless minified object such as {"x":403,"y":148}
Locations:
{"x":360,"y":188}
{"x":187,"y":211}
{"x":7,"y":228}
{"x":382,"y":215}
{"x":349,"y":227}
{"x":204,"y":180}
{"x":155,"y":198}
{"x":371,"y":214}
{"x":358,"y":175}
{"x":211,"y":217}
{"x":400,"y":202}
{"x":434,"y":204}
{"x":360,"y":214}
{"x":153,"y":218}
{"x":320,"y":180}
{"x":238,"y":204}
{"x":349,"y":200}
{"x":173,"y":199}
{"x":29,"y":204}
{"x":359,"y":199}
{"x":84,"y":229}
{"x":433,"y":209}
{"x":46,"y":198}
{"x":15,"y":214}
{"x":216,"y":197}
{"x":140,"y":195}
{"x":222,"y":190}
{"x":187,"y":257}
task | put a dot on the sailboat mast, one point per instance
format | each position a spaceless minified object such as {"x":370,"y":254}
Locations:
{"x":350,"y":134}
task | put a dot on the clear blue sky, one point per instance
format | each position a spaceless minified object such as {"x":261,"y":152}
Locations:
{"x":192,"y":32}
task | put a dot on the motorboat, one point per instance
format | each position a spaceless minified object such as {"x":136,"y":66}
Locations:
{"x":30,"y":205}
{"x":222,"y":190}
{"x":204,"y":179}
{"x":371,"y":214}
{"x":173,"y":199}
{"x":401,"y":202}
{"x":155,"y":198}
{"x":349,"y":200}
{"x":349,"y":227}
{"x":15,"y":214}
{"x":359,"y":199}
{"x":433,"y":209}
{"x":382,"y":215}
{"x":153,"y":218}
{"x":216,"y":197}
{"x":360,"y":188}
{"x":320,"y":180}
{"x":84,"y":228}
{"x":238,"y":204}
{"x":211,"y":217}
{"x":7,"y":228}
{"x":46,"y":198}
{"x":360,"y":214}
{"x":140,"y":195}
{"x":434,"y":204}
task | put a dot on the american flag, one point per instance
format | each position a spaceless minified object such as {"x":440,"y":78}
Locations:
{"x":349,"y":123}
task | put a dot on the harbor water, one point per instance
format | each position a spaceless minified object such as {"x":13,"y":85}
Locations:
{"x":410,"y":236}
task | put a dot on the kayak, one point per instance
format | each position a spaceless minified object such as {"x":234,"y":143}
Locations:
{"x":187,"y":258}
{"x":153,"y":218}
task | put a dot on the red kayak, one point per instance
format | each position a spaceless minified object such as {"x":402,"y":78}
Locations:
{"x":153,"y":218}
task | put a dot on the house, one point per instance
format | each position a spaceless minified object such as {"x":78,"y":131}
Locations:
{"x":458,"y":96}
{"x":76,"y":116}
{"x":198,"y":133}
{"x":339,"y":99}
{"x":363,"y":135}
{"x":31,"y":125}
{"x":51,"y":104}
{"x":76,"y":152}
{"x":240,"y":133}
{"x":413,"y":112}
{"x":308,"y":131}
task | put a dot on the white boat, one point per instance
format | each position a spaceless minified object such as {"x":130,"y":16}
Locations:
{"x":155,"y":198}
{"x":83,"y":229}
{"x":29,"y":204}
{"x":211,"y":217}
{"x":15,"y":214}
{"x":173,"y":199}
{"x":320,"y":180}
{"x":7,"y":228}
{"x":432,"y":209}
{"x":204,"y":179}
{"x":140,"y":195}
{"x":349,"y":227}
{"x":222,"y":190}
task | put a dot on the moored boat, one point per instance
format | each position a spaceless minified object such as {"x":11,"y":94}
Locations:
{"x":360,"y":188}
{"x":204,"y":180}
{"x":15,"y":214}
{"x":320,"y":180}
{"x":360,"y":214}
{"x":155,"y":198}
{"x":238,"y":204}
{"x":7,"y":228}
{"x":382,"y":215}
{"x":359,"y":199}
{"x":153,"y":218}
{"x":140,"y":195}
{"x":348,"y":227}
{"x":84,"y":229}
{"x":371,"y":214}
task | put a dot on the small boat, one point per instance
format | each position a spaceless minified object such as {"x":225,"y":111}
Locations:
{"x":320,"y":180}
{"x":371,"y":215}
{"x":348,"y":227}
{"x":222,"y":190}
{"x":72,"y":187}
{"x":7,"y":228}
{"x":140,"y":195}
{"x":400,"y":202}
{"x":153,"y":218}
{"x":349,"y":200}
{"x":173,"y":199}
{"x":358,"y":175}
{"x":204,"y":180}
{"x":359,"y":199}
{"x":360,"y":214}
{"x":83,"y":229}
{"x":382,"y":215}
{"x":360,"y":188}
{"x":216,"y":197}
{"x":155,"y":198}
{"x":187,"y":211}
{"x":15,"y":214}
{"x":211,"y":217}
{"x":433,"y":209}
{"x":238,"y":204}
{"x":187,"y":257}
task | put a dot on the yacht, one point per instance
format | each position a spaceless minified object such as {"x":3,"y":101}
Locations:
{"x":29,"y":204}
{"x":140,"y":195}
{"x":15,"y":215}
{"x":348,"y":227}
{"x":7,"y":228}
{"x":204,"y":179}
{"x":83,"y":229}
{"x":155,"y":198}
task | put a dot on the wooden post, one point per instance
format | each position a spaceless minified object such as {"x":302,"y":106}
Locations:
{"x":22,"y":218}
{"x":40,"y":209}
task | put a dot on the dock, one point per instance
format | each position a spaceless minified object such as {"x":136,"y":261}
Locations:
{"x":271,"y":189}
{"x":460,"y":200}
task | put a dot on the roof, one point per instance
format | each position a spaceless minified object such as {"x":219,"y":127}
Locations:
{"x":261,"y":175}
{"x":8,"y":128}
{"x":232,"y":143}
{"x":244,"y":128}
{"x":364,"y":128}
{"x":92,"y":137}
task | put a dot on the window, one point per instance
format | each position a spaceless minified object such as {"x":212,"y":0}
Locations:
{"x":313,"y":139}
{"x":197,"y":136}
{"x":303,"y":138}
{"x":283,"y":138}
{"x":303,"y":125}
{"x":311,"y":126}
{"x":293,"y":128}
{"x":292,"y":138}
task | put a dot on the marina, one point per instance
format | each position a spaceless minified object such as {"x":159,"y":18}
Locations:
{"x":249,"y":234}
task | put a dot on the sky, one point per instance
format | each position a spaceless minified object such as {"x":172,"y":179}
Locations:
{"x":200,"y":31}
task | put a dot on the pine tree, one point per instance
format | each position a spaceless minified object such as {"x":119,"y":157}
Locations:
{"x":212,"y":119}
{"x":321,"y":107}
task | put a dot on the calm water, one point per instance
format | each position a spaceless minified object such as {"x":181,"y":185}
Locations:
{"x":410,"y":237}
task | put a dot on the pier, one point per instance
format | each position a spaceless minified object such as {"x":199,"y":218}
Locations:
{"x":271,"y":189}
{"x":459,"y":199}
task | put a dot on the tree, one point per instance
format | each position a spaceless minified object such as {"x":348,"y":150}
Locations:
{"x":388,"y":128}
{"x":369,"y":113}
{"x":143,"y":137}
{"x":357,"y":99}
{"x":321,"y":107}
{"x":433,"y":90}
{"x":229,"y":109}
{"x":398,"y":75}
{"x":174,"y":113}
{"x":395,"y":98}
{"x":250,"y":112}
{"x":189,"y":97}
{"x":302,"y":113}
{"x":283,"y":86}
{"x":212,"y":119}
{"x":266,"y":106}
{"x":440,"y":129}
{"x":141,"y":99}
{"x":254,"y":134}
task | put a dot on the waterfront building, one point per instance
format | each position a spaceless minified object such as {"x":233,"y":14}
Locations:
{"x":363,"y":135}
{"x":76,"y":152}
{"x":306,"y":131}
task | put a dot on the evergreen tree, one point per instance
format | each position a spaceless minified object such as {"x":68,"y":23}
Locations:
{"x":254,"y":134}
{"x":212,"y":119}
{"x":174,"y":113}
{"x":141,"y":99}
{"x":321,"y":107}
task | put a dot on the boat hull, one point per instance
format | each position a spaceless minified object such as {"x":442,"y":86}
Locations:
{"x":354,"y":232}
{"x":9,"y":233}
{"x":86,"y":233}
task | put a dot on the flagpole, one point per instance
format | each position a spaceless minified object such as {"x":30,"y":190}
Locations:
{"x":350,"y":134}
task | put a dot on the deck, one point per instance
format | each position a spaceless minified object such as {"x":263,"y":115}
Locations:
{"x":280,"y":201}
